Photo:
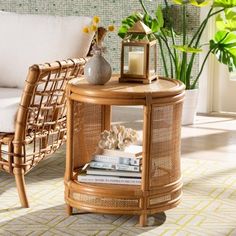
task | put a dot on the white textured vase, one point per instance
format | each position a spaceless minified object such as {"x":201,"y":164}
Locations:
{"x":97,"y":70}
{"x":190,"y":106}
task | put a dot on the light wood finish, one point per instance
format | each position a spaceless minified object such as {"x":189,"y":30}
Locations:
{"x":161,"y":178}
{"x":41,"y":120}
{"x":20,"y":184}
{"x":69,"y":209}
{"x":115,"y":93}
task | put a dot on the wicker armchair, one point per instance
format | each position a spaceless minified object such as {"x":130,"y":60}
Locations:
{"x":41,"y":122}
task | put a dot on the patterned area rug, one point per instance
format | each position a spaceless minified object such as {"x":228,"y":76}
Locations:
{"x":208,"y":205}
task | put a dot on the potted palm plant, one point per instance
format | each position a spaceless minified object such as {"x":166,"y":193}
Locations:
{"x":179,"y":50}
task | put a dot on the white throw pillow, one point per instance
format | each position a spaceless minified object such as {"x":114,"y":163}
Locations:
{"x":35,"y":39}
{"x":9,"y":104}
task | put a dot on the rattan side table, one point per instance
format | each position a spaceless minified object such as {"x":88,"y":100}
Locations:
{"x":88,"y":114}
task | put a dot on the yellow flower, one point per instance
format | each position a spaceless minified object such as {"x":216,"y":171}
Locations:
{"x":93,"y":28}
{"x":96,"y":19}
{"x":111,"y":28}
{"x":86,"y":30}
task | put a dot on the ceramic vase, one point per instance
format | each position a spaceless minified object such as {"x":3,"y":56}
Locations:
{"x":97,"y":70}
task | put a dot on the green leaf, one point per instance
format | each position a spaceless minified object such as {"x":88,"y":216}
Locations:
{"x":224,"y":37}
{"x":199,"y":3}
{"x":224,"y":3}
{"x":223,"y":46}
{"x":122,"y":35}
{"x":227,"y":21}
{"x":159,"y":16}
{"x":155,"y":26}
{"x":147,"y":20}
{"x":123,"y":30}
{"x":185,"y":48}
{"x":230,"y":14}
{"x":140,"y":37}
{"x":128,"y":23}
{"x":180,"y":2}
{"x":136,"y":16}
{"x":166,"y":32}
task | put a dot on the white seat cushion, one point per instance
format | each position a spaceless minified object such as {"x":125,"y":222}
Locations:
{"x":35,"y":39}
{"x":9,"y":103}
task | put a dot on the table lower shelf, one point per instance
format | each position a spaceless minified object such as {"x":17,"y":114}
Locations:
{"x":120,"y":199}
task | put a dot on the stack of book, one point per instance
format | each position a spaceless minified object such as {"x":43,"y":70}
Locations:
{"x":114,"y":167}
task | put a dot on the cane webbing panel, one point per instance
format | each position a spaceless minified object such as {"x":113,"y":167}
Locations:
{"x":159,"y":200}
{"x":105,"y":202}
{"x":165,"y":144}
{"x":87,"y":130}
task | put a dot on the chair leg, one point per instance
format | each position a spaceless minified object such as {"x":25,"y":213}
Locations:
{"x":20,"y":184}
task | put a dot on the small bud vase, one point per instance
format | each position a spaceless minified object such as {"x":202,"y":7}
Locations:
{"x":97,"y":70}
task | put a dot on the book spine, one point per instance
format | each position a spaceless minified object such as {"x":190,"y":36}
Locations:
{"x":108,"y":180}
{"x":110,"y":166}
{"x":102,"y":165}
{"x":123,"y":167}
{"x":117,"y":160}
{"x":118,"y":173}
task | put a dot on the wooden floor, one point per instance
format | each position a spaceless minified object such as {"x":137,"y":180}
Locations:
{"x":210,"y":138}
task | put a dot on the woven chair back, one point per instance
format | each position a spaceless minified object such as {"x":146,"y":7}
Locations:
{"x":41,"y":118}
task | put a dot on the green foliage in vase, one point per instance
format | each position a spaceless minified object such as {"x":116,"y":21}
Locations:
{"x":181,"y":58}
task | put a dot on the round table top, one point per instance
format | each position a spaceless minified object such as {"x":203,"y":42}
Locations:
{"x":162,"y":87}
{"x":114,"y":90}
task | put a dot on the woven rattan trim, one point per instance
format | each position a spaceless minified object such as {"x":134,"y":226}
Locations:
{"x":105,"y":201}
{"x":165,"y":198}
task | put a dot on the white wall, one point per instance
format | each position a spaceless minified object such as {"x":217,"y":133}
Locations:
{"x":206,"y":79}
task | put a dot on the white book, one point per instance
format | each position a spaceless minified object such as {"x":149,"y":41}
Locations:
{"x":111,"y":166}
{"x":130,"y":151}
{"x":108,"y":180}
{"x":117,"y":160}
{"x":92,"y":171}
